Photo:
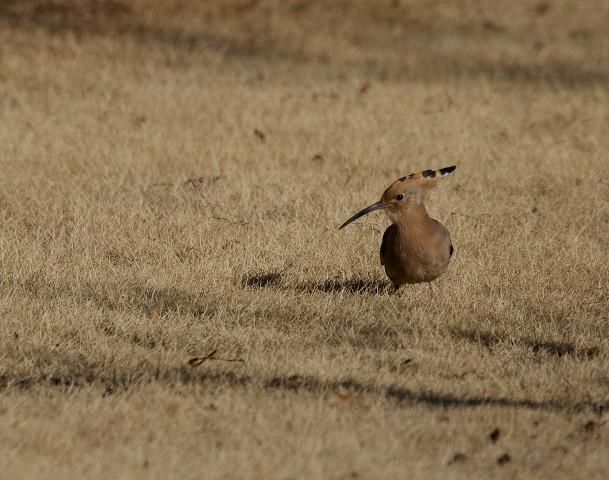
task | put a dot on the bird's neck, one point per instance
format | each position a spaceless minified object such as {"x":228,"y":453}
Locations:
{"x":411,"y":217}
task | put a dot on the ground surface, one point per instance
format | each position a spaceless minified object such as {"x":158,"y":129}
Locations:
{"x":172,"y":179}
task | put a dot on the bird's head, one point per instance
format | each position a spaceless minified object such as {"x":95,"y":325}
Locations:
{"x":406,"y":193}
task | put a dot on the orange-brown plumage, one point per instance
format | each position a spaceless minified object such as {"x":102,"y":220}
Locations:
{"x":415,"y":248}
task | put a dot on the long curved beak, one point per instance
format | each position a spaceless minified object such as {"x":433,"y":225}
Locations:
{"x":371,"y":208}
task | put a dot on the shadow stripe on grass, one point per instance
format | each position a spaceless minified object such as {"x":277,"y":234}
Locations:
{"x":118,"y":382}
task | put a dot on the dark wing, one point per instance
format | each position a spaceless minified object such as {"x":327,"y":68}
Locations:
{"x":384,"y":244}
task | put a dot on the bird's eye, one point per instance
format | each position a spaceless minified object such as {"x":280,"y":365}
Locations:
{"x":399,"y":197}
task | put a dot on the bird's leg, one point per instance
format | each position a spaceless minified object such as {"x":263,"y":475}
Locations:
{"x":430,"y":288}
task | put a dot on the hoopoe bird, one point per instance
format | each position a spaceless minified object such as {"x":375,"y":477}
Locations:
{"x":416,"y":248}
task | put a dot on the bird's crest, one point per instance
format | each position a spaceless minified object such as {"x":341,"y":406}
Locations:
{"x":413,"y":187}
{"x":427,"y":178}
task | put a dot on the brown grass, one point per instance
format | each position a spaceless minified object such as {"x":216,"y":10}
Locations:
{"x":172,"y":179}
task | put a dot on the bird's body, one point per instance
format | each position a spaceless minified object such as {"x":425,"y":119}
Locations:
{"x":415,"y":248}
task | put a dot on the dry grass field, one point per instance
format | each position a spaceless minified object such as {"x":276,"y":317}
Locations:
{"x":172,"y":179}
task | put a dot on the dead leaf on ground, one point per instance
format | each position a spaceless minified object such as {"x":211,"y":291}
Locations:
{"x":151,"y":309}
{"x":348,"y":399}
{"x":260,"y":135}
{"x":457,"y":457}
{"x":160,"y":184}
{"x":345,"y":396}
{"x":202,"y":180}
{"x":197,"y":182}
{"x":398,"y":368}
{"x":195,"y":362}
{"x":542,"y":8}
{"x":592,"y":426}
{"x":492,"y":26}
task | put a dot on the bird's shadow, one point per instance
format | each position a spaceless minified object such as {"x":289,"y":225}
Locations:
{"x":370,"y":286}
{"x":350,"y":285}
